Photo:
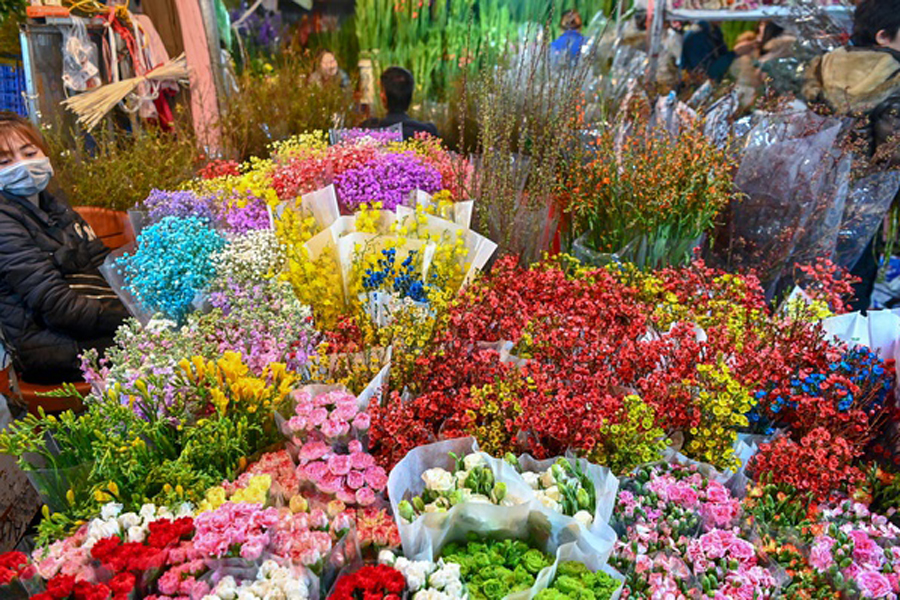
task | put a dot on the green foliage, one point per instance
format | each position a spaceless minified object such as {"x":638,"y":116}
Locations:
{"x":120,"y":168}
{"x":276,"y":104}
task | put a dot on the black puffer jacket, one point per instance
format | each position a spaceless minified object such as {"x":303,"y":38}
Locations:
{"x":53,"y":301}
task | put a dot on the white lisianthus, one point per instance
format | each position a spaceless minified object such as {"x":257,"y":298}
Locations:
{"x":148,"y":512}
{"x":473,"y":460}
{"x":460,"y":477}
{"x":584,"y":517}
{"x":136,"y":534}
{"x":510,"y":501}
{"x":552,"y":492}
{"x":129,"y":520}
{"x":386,"y":557}
{"x":438,"y":479}
{"x":547,"y":501}
{"x":480,"y":499}
{"x":430,"y":594}
{"x":547,"y":479}
{"x":532,"y":479}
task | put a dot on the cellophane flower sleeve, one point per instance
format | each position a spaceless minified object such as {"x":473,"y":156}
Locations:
{"x":606,"y":485}
{"x":115,"y":277}
{"x":870,"y":198}
{"x":792,"y":176}
{"x":429,"y":530}
{"x":564,"y":543}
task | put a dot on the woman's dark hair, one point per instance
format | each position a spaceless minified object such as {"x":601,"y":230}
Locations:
{"x":14,"y":124}
{"x":770,"y":32}
{"x":873,"y":16}
{"x":640,"y":19}
{"x":570,"y":20}
{"x":398,"y":85}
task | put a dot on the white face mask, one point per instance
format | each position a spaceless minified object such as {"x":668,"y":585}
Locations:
{"x":26,"y":178}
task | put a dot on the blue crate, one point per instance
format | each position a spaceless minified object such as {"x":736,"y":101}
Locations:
{"x":12,"y":88}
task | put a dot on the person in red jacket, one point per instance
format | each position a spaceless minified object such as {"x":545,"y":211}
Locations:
{"x":54,"y":303}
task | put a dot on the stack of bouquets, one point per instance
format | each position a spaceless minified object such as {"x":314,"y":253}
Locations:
{"x":376,"y":255}
{"x":435,"y":482}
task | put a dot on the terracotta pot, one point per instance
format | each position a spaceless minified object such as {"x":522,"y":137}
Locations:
{"x":112,"y":226}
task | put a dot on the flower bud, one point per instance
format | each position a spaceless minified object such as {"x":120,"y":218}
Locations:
{"x":406,"y":509}
{"x":584,"y":499}
{"x":499,"y":492}
{"x":418,"y":504}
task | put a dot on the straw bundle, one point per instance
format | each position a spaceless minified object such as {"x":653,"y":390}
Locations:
{"x":92,"y":106}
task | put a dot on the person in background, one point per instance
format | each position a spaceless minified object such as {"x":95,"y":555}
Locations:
{"x":704,"y":51}
{"x":54,"y":304}
{"x":397,"y":86}
{"x":863,"y":80}
{"x":772,"y":42}
{"x":570,"y":42}
{"x":328,"y":71}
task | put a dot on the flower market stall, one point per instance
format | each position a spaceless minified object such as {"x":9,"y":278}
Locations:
{"x":333,"y":388}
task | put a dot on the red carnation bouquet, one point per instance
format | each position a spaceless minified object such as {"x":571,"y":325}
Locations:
{"x":15,"y":569}
{"x":370,"y":583}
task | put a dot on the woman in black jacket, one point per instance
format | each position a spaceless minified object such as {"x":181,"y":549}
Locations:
{"x":54,"y":304}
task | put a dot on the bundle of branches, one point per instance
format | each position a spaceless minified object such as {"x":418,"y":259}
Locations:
{"x":92,"y":106}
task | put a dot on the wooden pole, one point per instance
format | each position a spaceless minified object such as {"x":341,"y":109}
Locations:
{"x":200,"y":39}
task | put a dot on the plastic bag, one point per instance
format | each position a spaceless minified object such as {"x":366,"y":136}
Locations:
{"x":391,"y":133}
{"x":115,"y":276}
{"x":790,"y":182}
{"x":80,"y":70}
{"x":868,"y":201}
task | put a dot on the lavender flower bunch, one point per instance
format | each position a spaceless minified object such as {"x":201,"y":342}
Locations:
{"x":248,"y":215}
{"x":161,"y":204}
{"x":388,"y":179}
{"x":264,"y":322}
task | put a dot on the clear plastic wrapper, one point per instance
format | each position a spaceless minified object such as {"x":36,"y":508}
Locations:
{"x":532,"y":527}
{"x":606,"y":485}
{"x":717,"y":119}
{"x":869,"y":199}
{"x":792,"y":177}
{"x":427,"y":530}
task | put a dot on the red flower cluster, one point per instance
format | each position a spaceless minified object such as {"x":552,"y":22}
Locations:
{"x":587,"y":346}
{"x":164,"y":532}
{"x":14,"y":565}
{"x":371,"y":582}
{"x":820,"y":463}
{"x":827,"y":282}
{"x":133,"y":556}
{"x":220,"y":168}
{"x":64,"y":587}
